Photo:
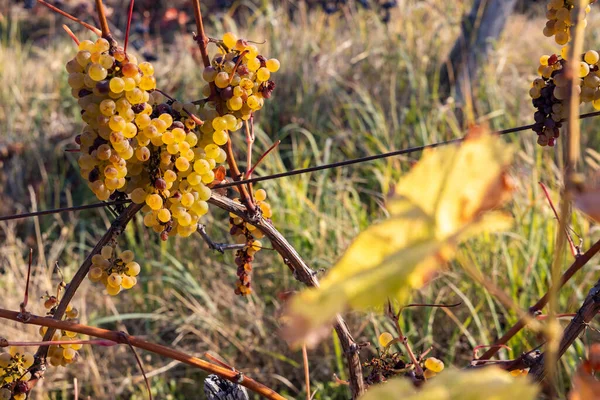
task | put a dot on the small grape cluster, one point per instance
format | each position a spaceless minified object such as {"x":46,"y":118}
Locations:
{"x":64,"y":354}
{"x":247,"y":234}
{"x":561,"y":16}
{"x":137,"y":144}
{"x":14,"y":373}
{"x":115,"y":271}
{"x":388,"y":364}
{"x":549,"y":92}
{"x":238,"y":82}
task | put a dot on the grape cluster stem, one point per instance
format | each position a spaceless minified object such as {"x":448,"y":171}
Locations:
{"x":234,"y":171}
{"x":220,"y":247}
{"x":395,"y":317}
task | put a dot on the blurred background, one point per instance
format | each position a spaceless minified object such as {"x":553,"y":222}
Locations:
{"x":357,"y":78}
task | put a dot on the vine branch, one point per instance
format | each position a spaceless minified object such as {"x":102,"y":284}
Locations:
{"x":304,"y":274}
{"x":579,"y":263}
{"x":589,"y":309}
{"x":123,"y":338}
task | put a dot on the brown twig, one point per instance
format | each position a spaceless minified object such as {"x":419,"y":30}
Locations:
{"x":71,"y":34}
{"x":237,"y":64}
{"x":574,"y":250}
{"x":123,"y":338}
{"x":116,"y":228}
{"x":219,"y":362}
{"x":395,"y":317}
{"x":23,"y":305}
{"x":235,"y":174}
{"x":201,"y":38}
{"x":72,"y":18}
{"x":129,"y":18}
{"x":440,"y":305}
{"x":103,"y":21}
{"x":261,"y":158}
{"x":579,"y":263}
{"x":139,"y":362}
{"x":304,"y":274}
{"x":588,"y":310}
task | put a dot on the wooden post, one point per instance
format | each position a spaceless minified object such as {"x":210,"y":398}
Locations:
{"x":480,"y":28}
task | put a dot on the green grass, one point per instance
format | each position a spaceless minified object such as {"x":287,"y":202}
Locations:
{"x":349,"y":86}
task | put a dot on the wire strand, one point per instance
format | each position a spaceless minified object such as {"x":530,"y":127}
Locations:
{"x":64,"y":209}
{"x":288,"y":173}
{"x":371,"y":158}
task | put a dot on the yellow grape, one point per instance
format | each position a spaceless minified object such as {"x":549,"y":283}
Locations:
{"x":229,"y":39}
{"x":385,"y":338}
{"x":260,"y":195}
{"x":433,"y":364}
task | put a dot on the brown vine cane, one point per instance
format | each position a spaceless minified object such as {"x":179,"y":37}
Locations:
{"x":123,"y":338}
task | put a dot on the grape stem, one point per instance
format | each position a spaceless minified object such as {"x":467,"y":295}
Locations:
{"x":262,"y":157}
{"x":302,"y":272}
{"x":576,"y":251}
{"x":129,"y":17}
{"x":71,"y":34}
{"x":139,"y":362}
{"x":72,"y":18}
{"x":123,"y":338}
{"x":395,"y":317}
{"x":23,"y":305}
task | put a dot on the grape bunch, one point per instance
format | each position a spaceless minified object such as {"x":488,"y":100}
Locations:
{"x":561,"y":16}
{"x":550,"y":90}
{"x":14,"y":373}
{"x":115,"y":271}
{"x":63,"y":354}
{"x":138,"y":144}
{"x":238,"y":82}
{"x":247,"y":234}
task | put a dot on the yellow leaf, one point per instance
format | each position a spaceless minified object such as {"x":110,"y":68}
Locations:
{"x":489,"y":383}
{"x":452,"y":185}
{"x":437,"y":204}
